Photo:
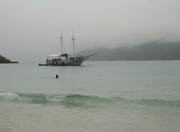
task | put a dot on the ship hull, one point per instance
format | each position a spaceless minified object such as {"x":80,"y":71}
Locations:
{"x":77,"y":61}
{"x":69,"y":63}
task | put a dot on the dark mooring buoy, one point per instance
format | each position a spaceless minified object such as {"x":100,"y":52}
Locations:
{"x":57,"y":76}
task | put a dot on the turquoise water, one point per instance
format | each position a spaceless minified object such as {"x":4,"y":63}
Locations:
{"x":129,"y":96}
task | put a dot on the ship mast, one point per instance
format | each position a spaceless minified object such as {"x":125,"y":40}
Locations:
{"x":73,"y":39}
{"x":61,"y":38}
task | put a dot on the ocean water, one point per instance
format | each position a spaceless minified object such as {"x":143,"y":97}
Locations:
{"x":118,"y":96}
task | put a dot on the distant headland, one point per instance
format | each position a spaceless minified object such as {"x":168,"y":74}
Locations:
{"x":5,"y":60}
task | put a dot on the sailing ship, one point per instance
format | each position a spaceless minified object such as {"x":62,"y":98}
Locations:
{"x":65,"y":59}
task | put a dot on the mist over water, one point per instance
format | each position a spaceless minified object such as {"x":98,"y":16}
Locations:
{"x":99,"y":96}
{"x":30,"y":29}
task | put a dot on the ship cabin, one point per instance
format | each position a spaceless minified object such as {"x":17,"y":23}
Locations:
{"x":56,"y":59}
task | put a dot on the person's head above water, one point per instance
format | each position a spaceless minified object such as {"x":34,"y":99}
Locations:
{"x":57,"y":76}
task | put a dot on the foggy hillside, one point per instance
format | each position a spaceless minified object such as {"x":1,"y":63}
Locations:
{"x":147,"y":51}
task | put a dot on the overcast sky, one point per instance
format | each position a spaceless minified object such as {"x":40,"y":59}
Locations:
{"x":30,"y":28}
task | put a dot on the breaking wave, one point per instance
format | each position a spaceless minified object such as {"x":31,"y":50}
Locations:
{"x":78,"y":100}
{"x":71,"y":100}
